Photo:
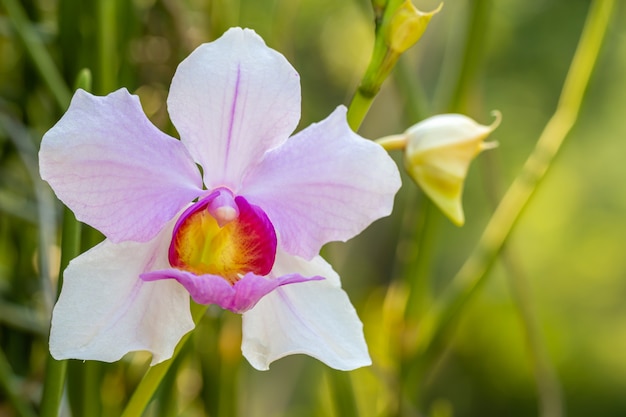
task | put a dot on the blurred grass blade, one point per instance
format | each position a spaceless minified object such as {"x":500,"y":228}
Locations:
{"x":475,"y":38}
{"x":18,"y":206}
{"x":22,"y":318}
{"x":22,"y":408}
{"x":38,"y":53}
{"x":46,"y":208}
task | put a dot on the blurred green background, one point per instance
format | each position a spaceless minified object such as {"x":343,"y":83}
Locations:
{"x":565,"y":260}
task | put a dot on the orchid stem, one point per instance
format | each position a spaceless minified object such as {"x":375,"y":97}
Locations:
{"x":381,"y":63}
{"x":474,"y":271}
{"x":152,"y":379}
{"x":359,"y":106}
{"x":392,"y":142}
{"x":107,"y":58}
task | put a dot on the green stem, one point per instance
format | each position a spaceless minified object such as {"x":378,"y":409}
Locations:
{"x":152,"y":379}
{"x":54,"y":380}
{"x":359,"y":106}
{"x":392,"y":142}
{"x":343,"y":394}
{"x":107,"y":38}
{"x":382,"y":62}
{"x":38,"y":53}
{"x":473,"y":272}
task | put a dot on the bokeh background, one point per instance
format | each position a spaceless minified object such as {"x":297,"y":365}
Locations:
{"x":563,"y":270}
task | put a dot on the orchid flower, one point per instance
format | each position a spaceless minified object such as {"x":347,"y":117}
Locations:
{"x":243,"y":233}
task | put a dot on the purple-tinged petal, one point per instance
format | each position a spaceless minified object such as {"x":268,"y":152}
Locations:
{"x":114,"y":169}
{"x":105,"y":310}
{"x":231,"y":101}
{"x":213,"y":289}
{"x":313,"y":318}
{"x":324,"y":184}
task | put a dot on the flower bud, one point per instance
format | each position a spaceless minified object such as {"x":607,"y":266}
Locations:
{"x":437,"y":156}
{"x":407,"y":26}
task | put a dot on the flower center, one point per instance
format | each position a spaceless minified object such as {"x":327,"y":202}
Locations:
{"x":223,"y":235}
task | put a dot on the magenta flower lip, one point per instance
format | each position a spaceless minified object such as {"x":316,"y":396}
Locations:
{"x":264,"y":206}
{"x":225,"y":236}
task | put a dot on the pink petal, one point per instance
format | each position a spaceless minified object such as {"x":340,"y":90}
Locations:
{"x":313,"y":318}
{"x":231,"y":100}
{"x":324,"y":184}
{"x":212,"y":289}
{"x":105,"y":310}
{"x":114,"y":169}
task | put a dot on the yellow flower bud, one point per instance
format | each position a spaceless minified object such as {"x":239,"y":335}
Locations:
{"x":437,"y":156}
{"x":407,"y":26}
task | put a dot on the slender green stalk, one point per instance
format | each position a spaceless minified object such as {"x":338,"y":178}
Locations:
{"x":473,"y":272}
{"x":152,"y":379}
{"x":107,"y":40}
{"x":343,"y":394}
{"x":382,"y":62}
{"x":38,"y":53}
{"x":359,"y":106}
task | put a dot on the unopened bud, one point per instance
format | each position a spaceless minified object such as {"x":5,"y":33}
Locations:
{"x":407,"y":26}
{"x":438,"y":154}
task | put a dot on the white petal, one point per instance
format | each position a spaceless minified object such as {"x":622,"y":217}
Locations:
{"x":105,"y":310}
{"x":314,"y":318}
{"x":231,"y":101}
